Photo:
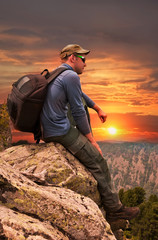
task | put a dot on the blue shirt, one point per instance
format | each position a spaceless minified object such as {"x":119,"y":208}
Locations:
{"x":65,"y":89}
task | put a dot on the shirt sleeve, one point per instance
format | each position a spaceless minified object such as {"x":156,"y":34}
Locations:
{"x":74,"y":96}
{"x":90,"y":103}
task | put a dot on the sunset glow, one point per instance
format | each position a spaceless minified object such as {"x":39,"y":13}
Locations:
{"x":121,"y":73}
{"x":112,"y":130}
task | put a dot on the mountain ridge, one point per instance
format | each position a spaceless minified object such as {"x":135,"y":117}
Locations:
{"x":132,"y":164}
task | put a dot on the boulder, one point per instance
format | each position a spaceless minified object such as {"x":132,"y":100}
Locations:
{"x":15,"y":225}
{"x":45,"y":193}
{"x":52,"y":165}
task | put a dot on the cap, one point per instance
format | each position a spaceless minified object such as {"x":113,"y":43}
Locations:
{"x":72,"y":48}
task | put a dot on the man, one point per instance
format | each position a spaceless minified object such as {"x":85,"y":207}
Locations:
{"x":66,"y":89}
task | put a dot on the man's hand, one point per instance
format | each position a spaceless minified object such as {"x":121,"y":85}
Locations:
{"x":97,"y":147}
{"x":102,"y":115}
{"x":93,"y":142}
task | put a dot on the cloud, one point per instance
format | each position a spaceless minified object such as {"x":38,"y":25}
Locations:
{"x":151,"y":85}
{"x":134,"y":81}
{"x":138,"y":102}
{"x":122,"y":36}
{"x":131,"y":121}
{"x":104,"y":22}
{"x":154,"y":75}
{"x":130,"y":126}
{"x":31,"y":35}
{"x":19,"y":32}
{"x":99,"y":82}
{"x":138,"y":121}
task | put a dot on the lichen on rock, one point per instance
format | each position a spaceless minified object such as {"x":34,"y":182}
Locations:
{"x":52,"y":192}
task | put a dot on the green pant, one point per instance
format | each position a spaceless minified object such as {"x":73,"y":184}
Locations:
{"x":90,"y":157}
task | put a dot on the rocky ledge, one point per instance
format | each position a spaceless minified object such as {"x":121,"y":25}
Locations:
{"x":46,"y":193}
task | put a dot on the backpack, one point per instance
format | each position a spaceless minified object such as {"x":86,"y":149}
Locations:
{"x":26,"y":100}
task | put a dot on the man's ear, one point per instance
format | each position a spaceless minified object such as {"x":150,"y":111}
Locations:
{"x":72,"y":58}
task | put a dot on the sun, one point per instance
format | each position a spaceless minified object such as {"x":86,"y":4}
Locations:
{"x":112,"y":130}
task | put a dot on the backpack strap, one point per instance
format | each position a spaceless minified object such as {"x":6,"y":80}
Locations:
{"x":55,"y":73}
{"x":47,"y":74}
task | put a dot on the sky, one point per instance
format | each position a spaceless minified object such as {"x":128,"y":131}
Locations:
{"x":121,"y":75}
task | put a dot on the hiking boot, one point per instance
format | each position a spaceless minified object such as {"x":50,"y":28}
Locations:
{"x":127,"y":213}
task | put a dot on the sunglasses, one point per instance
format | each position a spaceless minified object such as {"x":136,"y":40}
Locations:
{"x":82,"y":58}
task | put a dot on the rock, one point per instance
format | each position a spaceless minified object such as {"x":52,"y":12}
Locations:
{"x":51,"y":165}
{"x":64,"y":212}
{"x":119,"y":224}
{"x":5,"y":130}
{"x":119,"y":234}
{"x":14,"y":225}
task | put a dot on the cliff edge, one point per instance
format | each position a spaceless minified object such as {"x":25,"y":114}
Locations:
{"x":46,"y":193}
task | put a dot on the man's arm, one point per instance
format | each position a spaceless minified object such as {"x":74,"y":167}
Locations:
{"x":91,"y":104}
{"x":74,"y":94}
{"x":93,"y":142}
{"x":102,"y":115}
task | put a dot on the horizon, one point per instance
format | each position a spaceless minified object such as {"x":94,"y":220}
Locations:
{"x":121,"y":75}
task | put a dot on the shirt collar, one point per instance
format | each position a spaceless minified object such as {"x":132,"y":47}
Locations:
{"x":67,"y":65}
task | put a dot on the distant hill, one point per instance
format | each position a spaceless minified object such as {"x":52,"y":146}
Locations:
{"x":132,"y":164}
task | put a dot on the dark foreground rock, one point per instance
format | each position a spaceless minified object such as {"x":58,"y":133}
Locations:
{"x":5,"y":130}
{"x":45,"y":193}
